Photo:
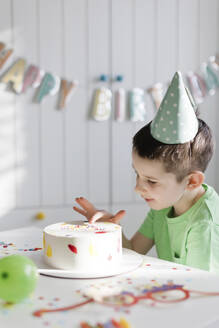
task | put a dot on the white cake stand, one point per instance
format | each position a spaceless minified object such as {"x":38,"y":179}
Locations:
{"x":130,"y":261}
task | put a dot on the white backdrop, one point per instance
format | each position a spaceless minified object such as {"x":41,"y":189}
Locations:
{"x":48,"y":156}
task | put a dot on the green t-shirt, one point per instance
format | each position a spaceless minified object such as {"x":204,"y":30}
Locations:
{"x":191,"y":238}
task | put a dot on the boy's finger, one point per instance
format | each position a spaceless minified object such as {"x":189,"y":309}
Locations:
{"x":96,"y":216}
{"x":83,"y":202}
{"x":118,"y":216}
{"x":79,"y":210}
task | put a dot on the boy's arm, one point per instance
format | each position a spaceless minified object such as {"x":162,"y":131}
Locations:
{"x":200,"y":246}
{"x":139,"y":243}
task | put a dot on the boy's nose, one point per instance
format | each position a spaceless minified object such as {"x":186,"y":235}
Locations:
{"x":138,"y":188}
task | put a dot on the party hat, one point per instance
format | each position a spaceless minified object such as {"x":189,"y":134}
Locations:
{"x":175,"y":121}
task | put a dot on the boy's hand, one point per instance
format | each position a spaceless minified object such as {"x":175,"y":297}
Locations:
{"x":92,"y":214}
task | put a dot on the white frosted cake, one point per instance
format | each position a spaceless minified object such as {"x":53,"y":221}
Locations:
{"x":83,"y":247}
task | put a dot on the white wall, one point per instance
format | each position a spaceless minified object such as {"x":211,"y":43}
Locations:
{"x":48,"y":156}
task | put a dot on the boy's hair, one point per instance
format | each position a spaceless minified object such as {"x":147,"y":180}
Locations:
{"x":180,"y":159}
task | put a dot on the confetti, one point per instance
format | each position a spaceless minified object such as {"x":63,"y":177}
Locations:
{"x":12,"y":247}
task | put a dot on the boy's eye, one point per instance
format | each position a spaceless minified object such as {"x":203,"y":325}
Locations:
{"x":152,"y":182}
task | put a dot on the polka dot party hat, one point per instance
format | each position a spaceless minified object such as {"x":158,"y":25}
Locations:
{"x":175,"y":121}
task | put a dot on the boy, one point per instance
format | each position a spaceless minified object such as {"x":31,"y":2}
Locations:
{"x":169,"y":156}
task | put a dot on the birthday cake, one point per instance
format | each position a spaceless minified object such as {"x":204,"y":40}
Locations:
{"x":81,"y":246}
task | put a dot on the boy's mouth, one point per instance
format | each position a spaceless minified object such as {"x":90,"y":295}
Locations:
{"x":148,"y":199}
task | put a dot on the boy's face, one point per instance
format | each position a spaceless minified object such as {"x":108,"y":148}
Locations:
{"x":157,"y":187}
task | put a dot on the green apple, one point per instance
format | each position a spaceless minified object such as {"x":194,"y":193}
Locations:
{"x":18,"y":278}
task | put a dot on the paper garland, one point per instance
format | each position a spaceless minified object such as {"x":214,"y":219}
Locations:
{"x":120,"y":105}
{"x":4,"y":54}
{"x":102,"y":104}
{"x":157,"y":93}
{"x":20,"y":77}
{"x":200,"y":84}
{"x":136,"y":105}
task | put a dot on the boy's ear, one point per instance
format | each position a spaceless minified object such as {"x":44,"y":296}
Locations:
{"x":195,"y":179}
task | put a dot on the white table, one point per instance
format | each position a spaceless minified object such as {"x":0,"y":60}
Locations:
{"x":197,"y":310}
